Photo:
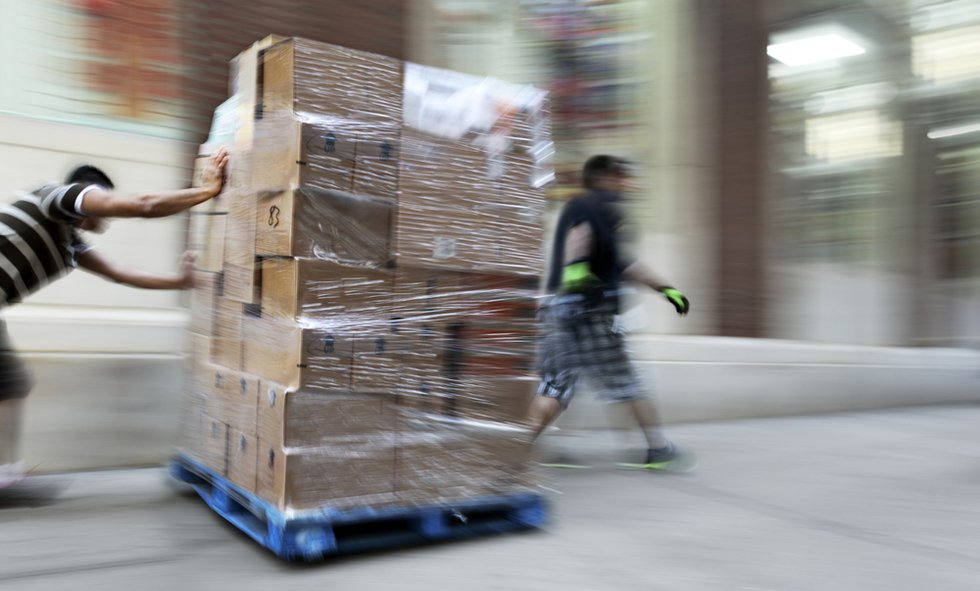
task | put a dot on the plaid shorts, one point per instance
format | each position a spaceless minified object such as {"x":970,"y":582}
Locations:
{"x":580,"y":341}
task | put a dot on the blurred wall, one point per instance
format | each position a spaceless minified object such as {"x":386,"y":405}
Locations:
{"x":217,"y":30}
{"x":108,"y":360}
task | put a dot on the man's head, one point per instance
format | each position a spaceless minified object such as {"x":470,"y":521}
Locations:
{"x":87,"y":174}
{"x":90,"y":175}
{"x":606,"y":173}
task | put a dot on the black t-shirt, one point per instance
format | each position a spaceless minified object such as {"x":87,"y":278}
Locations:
{"x":607,"y":260}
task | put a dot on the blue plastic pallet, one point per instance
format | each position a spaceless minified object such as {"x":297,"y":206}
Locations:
{"x":317,"y":534}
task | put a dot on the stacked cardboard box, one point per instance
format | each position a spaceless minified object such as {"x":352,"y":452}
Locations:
{"x":364,"y":315}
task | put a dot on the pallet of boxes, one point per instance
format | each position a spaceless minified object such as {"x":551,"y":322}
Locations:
{"x":364,"y":315}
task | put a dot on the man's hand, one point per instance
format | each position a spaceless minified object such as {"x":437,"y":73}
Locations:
{"x":186,"y":271}
{"x":214,"y":175}
{"x":678,"y":300}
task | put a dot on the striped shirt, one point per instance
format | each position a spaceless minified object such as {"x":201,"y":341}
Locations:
{"x":39,"y":239}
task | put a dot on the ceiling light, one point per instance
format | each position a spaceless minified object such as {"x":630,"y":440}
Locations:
{"x":811,"y":50}
{"x":945,"y":132}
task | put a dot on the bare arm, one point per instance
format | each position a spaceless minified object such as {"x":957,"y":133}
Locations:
{"x":578,"y":243}
{"x":101,"y":203}
{"x":94,"y":262}
{"x":637,"y":272}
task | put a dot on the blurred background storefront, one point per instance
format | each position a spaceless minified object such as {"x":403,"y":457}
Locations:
{"x":809,"y":175}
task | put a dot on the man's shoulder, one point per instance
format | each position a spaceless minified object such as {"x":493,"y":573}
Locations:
{"x":48,"y":189}
{"x":581,"y":202}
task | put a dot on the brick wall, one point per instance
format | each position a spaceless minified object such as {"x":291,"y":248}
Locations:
{"x":217,"y":30}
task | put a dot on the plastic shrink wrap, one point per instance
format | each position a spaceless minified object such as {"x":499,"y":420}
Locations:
{"x":363,"y":319}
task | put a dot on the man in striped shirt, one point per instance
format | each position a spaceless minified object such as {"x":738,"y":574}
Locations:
{"x":40,"y":242}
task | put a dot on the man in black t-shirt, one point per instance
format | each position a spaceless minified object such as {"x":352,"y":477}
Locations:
{"x":588,"y":265}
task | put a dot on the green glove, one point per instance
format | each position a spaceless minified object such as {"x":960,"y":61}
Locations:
{"x":577,"y":277}
{"x":677,"y":299}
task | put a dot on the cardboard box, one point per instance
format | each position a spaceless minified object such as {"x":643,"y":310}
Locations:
{"x":344,"y":358}
{"x":426,"y":295}
{"x":206,"y":239}
{"x":419,"y":398}
{"x":438,"y":227}
{"x":305,"y":76}
{"x":462,"y":348}
{"x":199,"y":376}
{"x":215,"y":205}
{"x":480,"y":349}
{"x":243,"y":453}
{"x":316,"y":289}
{"x":496,"y":297}
{"x":330,"y":225}
{"x":226,"y":340}
{"x":336,"y":477}
{"x":219,"y":381}
{"x":316,"y":153}
{"x":242,"y":284}
{"x":297,"y":357}
{"x":198,"y":351}
{"x":325,"y":152}
{"x":506,"y":400}
{"x":240,"y":264}
{"x":436,"y":466}
{"x":377,"y":161}
{"x":214,"y":450}
{"x":236,"y":401}
{"x":454,"y":215}
{"x":203,"y":301}
{"x":193,"y":409}
{"x":245,"y":85}
{"x":303,"y":418}
{"x":379,"y":362}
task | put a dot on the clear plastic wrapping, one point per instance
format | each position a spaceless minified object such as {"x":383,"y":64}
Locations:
{"x":363,"y":322}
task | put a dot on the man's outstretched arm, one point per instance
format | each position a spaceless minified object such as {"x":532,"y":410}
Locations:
{"x":99,"y":202}
{"x":94,"y":262}
{"x":637,"y":272}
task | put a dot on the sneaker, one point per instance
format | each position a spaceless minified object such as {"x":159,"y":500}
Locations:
{"x":665,"y":459}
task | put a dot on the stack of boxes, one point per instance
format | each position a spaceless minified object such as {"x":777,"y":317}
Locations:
{"x":364,"y":313}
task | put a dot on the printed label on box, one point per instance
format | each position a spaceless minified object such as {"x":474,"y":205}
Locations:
{"x":444,"y":248}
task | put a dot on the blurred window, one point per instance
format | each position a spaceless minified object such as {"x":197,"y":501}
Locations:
{"x":106,"y":63}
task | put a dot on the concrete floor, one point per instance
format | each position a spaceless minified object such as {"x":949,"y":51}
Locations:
{"x":867,"y":501}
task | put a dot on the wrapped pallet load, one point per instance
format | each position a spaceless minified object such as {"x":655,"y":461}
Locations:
{"x":364,"y":316}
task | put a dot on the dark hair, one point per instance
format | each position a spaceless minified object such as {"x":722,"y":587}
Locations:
{"x":600,"y":166}
{"x":89,"y":175}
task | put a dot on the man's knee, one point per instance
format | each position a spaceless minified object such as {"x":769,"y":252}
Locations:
{"x":544,"y":410}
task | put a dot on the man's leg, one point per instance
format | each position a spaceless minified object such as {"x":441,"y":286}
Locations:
{"x":12,"y":469}
{"x":544,"y":411}
{"x":15,"y":385}
{"x":620,"y":383}
{"x":11,"y":412}
{"x":649,"y":421}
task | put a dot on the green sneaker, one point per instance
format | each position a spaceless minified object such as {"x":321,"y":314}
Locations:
{"x":665,"y":459}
